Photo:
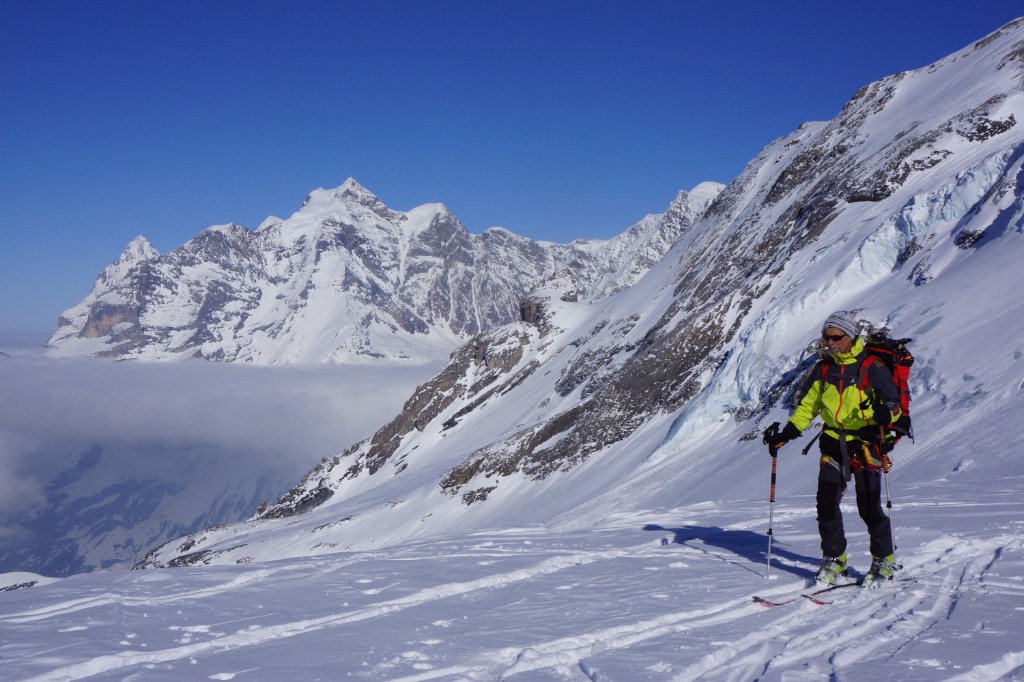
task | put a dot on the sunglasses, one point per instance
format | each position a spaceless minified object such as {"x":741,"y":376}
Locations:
{"x":833,"y":337}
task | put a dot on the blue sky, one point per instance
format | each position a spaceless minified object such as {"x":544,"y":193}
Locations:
{"x":553,"y":119}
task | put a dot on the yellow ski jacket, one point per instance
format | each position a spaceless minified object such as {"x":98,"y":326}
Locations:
{"x":847,"y":400}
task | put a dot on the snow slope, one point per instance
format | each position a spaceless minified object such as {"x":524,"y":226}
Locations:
{"x":656,"y":594}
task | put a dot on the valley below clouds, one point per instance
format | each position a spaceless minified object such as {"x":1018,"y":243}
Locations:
{"x":205,"y":438}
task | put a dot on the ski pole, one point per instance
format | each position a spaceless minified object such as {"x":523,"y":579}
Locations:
{"x":771,"y":511}
{"x":886,"y":465}
{"x":771,"y":431}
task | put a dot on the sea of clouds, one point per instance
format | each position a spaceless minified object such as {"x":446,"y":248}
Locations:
{"x":248,"y":421}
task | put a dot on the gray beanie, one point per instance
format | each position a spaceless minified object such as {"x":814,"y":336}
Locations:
{"x":843,"y":320}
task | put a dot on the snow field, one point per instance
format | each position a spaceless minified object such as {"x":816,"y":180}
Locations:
{"x":658,"y":595}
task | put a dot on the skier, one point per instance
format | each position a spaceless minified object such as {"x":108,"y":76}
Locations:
{"x":856,"y":407}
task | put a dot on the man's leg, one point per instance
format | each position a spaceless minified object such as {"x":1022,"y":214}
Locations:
{"x":831,"y":486}
{"x":869,"y":505}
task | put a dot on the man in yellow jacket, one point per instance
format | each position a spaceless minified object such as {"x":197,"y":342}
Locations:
{"x":857,"y":402}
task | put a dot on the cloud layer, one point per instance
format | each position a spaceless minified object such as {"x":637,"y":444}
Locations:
{"x":255,"y":419}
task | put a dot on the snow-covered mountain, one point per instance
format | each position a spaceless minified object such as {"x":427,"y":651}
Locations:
{"x":345,"y":279}
{"x":906,"y":207}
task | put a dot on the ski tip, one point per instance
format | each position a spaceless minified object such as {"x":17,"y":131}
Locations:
{"x":768,"y":603}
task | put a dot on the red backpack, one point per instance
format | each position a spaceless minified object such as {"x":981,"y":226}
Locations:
{"x":892,"y":353}
{"x":897,"y":359}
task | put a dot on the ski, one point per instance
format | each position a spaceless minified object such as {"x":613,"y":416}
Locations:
{"x":769,"y":603}
{"x":815,"y":600}
{"x":880,"y":585}
{"x":812,"y":596}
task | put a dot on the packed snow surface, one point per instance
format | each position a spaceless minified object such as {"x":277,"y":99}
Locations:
{"x":657,"y":594}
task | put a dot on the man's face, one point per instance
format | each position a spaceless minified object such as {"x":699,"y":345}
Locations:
{"x":836,"y":340}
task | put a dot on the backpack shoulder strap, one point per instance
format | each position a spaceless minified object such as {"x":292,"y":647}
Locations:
{"x":864,"y":366}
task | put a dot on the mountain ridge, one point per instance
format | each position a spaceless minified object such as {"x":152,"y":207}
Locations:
{"x":344,"y":279}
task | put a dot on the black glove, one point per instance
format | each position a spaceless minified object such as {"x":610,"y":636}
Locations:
{"x":903,"y":427}
{"x":775,"y":439}
{"x":883,"y":415}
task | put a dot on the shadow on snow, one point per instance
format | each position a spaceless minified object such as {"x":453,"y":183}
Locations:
{"x":744,"y":544}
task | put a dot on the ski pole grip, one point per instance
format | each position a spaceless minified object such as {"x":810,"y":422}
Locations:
{"x":769,"y":437}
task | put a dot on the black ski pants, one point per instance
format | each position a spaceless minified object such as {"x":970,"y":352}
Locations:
{"x":833,"y":477}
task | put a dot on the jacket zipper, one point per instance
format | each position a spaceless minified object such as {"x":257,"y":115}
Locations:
{"x":839,"y":408}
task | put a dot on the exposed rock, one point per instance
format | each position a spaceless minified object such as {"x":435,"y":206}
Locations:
{"x":477,"y":371}
{"x":19,"y":586}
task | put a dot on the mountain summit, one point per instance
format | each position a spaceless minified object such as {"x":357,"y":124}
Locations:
{"x":344,"y":279}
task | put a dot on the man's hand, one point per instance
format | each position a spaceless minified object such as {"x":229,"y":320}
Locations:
{"x":775,"y":439}
{"x":903,"y":427}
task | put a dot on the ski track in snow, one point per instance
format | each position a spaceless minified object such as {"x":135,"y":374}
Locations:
{"x":557,"y":608}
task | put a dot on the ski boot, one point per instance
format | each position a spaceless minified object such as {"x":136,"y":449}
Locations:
{"x":881,"y":570}
{"x":831,"y":568}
